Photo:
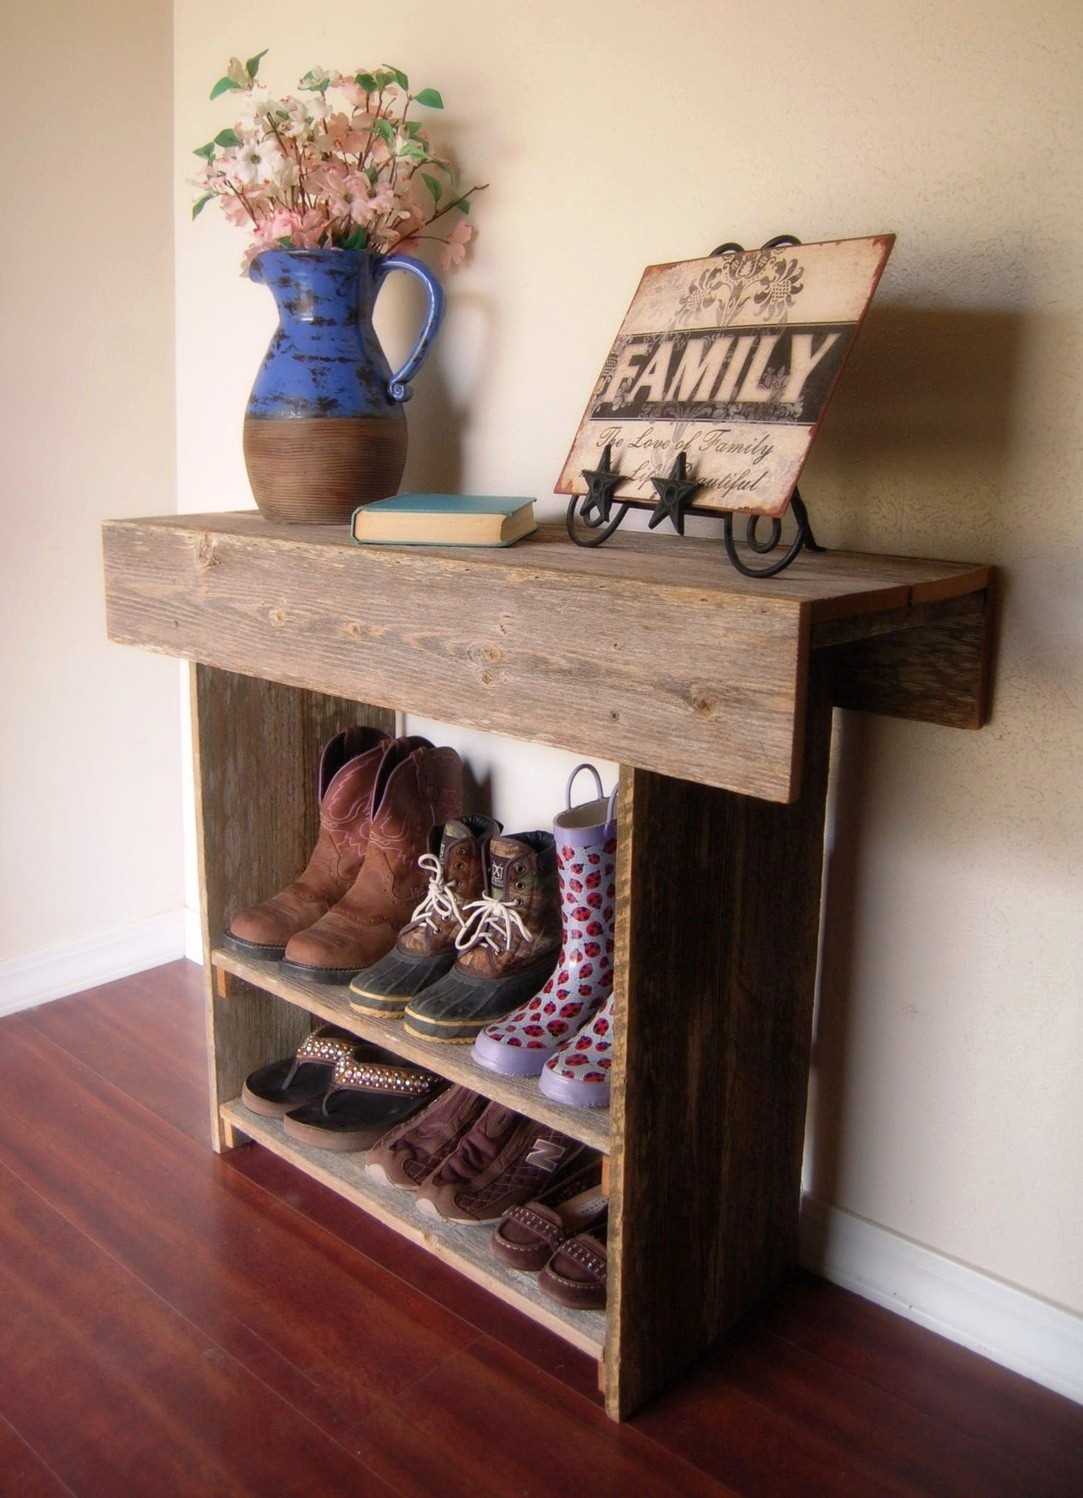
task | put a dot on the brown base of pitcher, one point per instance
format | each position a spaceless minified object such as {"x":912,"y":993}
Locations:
{"x":319,"y":469}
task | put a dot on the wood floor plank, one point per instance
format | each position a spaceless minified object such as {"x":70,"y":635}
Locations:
{"x":112,"y":1169}
{"x":759,"y":1450}
{"x":489,"y":1424}
{"x":226,"y":1254}
{"x":124,"y":1394}
{"x":488,"y":1314}
{"x":948,"y":1382}
{"x":146,"y":1035}
{"x":24,"y":1472}
{"x":157,"y":1345}
{"x":867,"y":1428}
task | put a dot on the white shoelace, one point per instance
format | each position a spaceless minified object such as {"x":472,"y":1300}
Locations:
{"x":440,"y":902}
{"x":485,"y":920}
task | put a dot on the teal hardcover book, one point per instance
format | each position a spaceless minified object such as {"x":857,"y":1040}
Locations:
{"x":443,"y":520}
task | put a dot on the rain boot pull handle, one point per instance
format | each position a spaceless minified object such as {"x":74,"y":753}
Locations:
{"x":586,"y":765}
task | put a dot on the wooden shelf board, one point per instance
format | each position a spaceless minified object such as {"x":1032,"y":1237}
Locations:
{"x":651,"y":650}
{"x":464,"y":1246}
{"x":331,"y":1003}
{"x":828,"y":581}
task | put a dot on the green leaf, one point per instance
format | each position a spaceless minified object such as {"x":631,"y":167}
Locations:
{"x":399,"y":76}
{"x":313,"y":83}
{"x":356,"y":241}
{"x":207,"y":151}
{"x":197,"y":208}
{"x":414,"y":150}
{"x":430,"y":97}
{"x":252,"y":65}
{"x":412,"y":128}
{"x":227,"y":138}
{"x":385,"y":130}
{"x":367,"y":82}
{"x":435,"y":188}
{"x":463,"y":205}
{"x":223,"y":86}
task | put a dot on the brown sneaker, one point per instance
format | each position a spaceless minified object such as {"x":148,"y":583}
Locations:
{"x":417,"y":787}
{"x":411,"y":1152}
{"x":425,"y":950}
{"x":348,"y":769}
{"x":502,"y":1160}
{"x":508,"y":944}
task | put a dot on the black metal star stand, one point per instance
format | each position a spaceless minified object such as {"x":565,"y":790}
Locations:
{"x":601,"y":514}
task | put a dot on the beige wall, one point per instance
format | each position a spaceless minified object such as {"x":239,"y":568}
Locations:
{"x":948,"y":1063}
{"x":89,"y":753}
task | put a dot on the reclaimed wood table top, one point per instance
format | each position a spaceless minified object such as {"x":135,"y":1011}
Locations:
{"x":651,"y":650}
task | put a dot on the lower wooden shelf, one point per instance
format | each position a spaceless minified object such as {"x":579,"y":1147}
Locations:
{"x":454,"y":1062}
{"x":461,"y":1245}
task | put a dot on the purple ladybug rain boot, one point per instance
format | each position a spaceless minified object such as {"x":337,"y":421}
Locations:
{"x":586,"y":842}
{"x":578,"y":1071}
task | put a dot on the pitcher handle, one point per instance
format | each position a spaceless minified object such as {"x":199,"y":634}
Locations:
{"x":398,"y":387}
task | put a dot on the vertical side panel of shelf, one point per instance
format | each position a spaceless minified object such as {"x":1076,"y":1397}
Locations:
{"x":717,"y":935}
{"x":256,"y":749}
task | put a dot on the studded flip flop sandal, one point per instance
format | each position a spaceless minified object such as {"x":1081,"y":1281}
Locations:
{"x":304,"y":1077}
{"x":368,"y":1095}
{"x":529,"y":1235}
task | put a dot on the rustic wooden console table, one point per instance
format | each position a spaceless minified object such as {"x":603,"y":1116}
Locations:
{"x":715,"y":692}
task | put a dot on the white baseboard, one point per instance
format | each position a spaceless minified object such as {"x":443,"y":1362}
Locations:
{"x":1033,"y":1337}
{"x":26,"y":981}
{"x":193,"y":935}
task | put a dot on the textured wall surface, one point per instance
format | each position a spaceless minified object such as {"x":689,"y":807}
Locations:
{"x":89,"y":752}
{"x":949,"y":1058}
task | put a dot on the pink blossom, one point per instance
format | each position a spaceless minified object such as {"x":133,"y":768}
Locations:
{"x":348,"y":196}
{"x":339,"y":135}
{"x":234,"y":210}
{"x":308,"y":228}
{"x":454,"y":251}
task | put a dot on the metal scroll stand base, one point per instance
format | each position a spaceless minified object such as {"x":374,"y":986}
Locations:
{"x":601,"y":514}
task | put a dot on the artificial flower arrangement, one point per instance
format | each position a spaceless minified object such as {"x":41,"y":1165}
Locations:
{"x":309,"y":173}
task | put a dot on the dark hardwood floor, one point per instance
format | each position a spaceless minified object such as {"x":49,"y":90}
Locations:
{"x":173,"y":1323}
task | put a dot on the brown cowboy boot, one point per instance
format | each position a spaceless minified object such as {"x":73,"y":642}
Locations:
{"x":510,"y":940}
{"x":348,"y":768}
{"x":455,"y":864}
{"x":417,"y":787}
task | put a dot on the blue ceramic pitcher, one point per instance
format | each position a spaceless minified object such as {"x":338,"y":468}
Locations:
{"x":324,"y":430}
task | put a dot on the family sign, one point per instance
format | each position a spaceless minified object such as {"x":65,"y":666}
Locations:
{"x":730,"y":360}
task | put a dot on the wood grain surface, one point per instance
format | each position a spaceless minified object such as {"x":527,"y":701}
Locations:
{"x":939,"y":670}
{"x":161,"y":1337}
{"x":330,"y":1002}
{"x":317,"y":470}
{"x":717,"y":932}
{"x":257,"y":753}
{"x":649,"y":652}
{"x":463,"y":1245}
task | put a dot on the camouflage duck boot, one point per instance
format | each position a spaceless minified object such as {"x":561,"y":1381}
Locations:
{"x":425,"y":950}
{"x":507,"y":946}
{"x":348,"y":768}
